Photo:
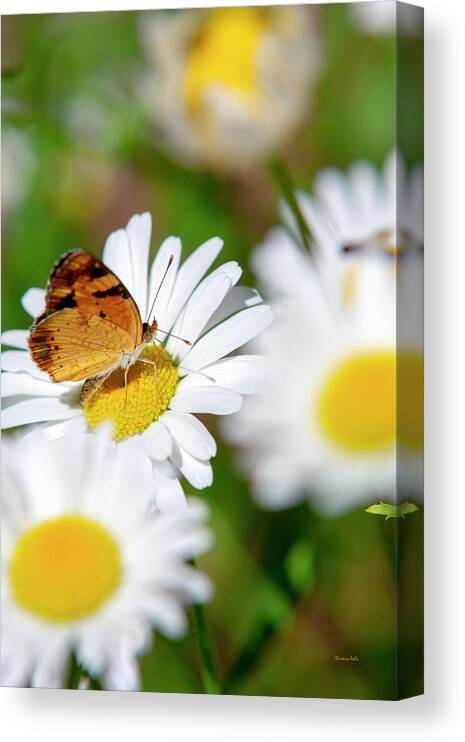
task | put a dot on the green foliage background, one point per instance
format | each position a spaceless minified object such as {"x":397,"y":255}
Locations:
{"x":293,"y":589}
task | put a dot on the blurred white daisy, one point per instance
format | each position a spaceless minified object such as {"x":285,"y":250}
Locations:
{"x":228,"y":85}
{"x":342,"y":404}
{"x":350,"y":216}
{"x":87,"y":566}
{"x":159,"y":410}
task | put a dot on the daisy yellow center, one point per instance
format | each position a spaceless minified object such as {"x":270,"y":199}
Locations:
{"x":132,"y":408}
{"x":357,"y":407}
{"x":64,"y":569}
{"x":225,"y":53}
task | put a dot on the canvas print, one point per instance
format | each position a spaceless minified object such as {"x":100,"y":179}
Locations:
{"x":212,"y":366}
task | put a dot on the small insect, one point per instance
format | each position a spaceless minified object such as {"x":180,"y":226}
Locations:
{"x":91,"y":324}
{"x":392,"y":511}
{"x":387,"y":242}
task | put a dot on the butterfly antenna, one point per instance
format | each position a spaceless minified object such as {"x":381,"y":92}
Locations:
{"x":159,"y":287}
{"x":199,"y":373}
{"x":170,"y":334}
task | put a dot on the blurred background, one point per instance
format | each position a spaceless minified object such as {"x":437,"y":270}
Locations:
{"x":80,"y":155}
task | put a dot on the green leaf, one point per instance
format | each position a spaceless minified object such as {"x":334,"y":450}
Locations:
{"x":392,"y":511}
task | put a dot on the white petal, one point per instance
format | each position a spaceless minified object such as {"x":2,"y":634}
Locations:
{"x":15,"y":338}
{"x":190,"y":433}
{"x":54,"y":431}
{"x":206,"y":399}
{"x":281,"y":265}
{"x":157,"y":442}
{"x":21,"y":383}
{"x":123,"y":671}
{"x":191,"y":583}
{"x":36,"y":410}
{"x":198,"y":310}
{"x":185,"y":542}
{"x":228,"y":336}
{"x":167,"y":614}
{"x":169,"y":495}
{"x":394,"y":180}
{"x":198,"y":473}
{"x":166,"y":468}
{"x":16,"y":667}
{"x":239,"y":298}
{"x":33,"y":302}
{"x":170,"y":247}
{"x":51,"y":669}
{"x":203,"y":302}
{"x":20,"y":360}
{"x":189,"y":275}
{"x":365,"y":184}
{"x":139,"y":230}
{"x":116,"y":256}
{"x":232,"y":269}
{"x":331,"y":187}
{"x":243,"y":374}
{"x":320,"y":223}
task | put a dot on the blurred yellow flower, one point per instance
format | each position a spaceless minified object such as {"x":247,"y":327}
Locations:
{"x":228,"y":34}
{"x":228,"y":85}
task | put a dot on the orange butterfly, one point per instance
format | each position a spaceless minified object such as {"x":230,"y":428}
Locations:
{"x":91,"y":324}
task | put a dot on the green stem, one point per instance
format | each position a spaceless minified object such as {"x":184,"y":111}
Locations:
{"x":285,"y":185}
{"x":389,"y":538}
{"x":261,"y":638}
{"x":209,"y":667}
{"x":74,"y":676}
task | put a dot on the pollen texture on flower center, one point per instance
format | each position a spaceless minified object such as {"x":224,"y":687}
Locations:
{"x":64,"y":569}
{"x":150,"y":388}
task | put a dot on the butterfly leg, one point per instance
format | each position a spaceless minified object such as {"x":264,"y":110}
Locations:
{"x":126,"y":371}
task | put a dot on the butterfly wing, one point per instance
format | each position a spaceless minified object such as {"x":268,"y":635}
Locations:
{"x":72,"y":346}
{"x":90,"y":320}
{"x":78,"y":280}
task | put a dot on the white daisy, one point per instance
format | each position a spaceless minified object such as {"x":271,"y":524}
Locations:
{"x":88,"y":566}
{"x":159,"y":411}
{"x":228,"y":85}
{"x":349,"y":216}
{"x":339,"y":419}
